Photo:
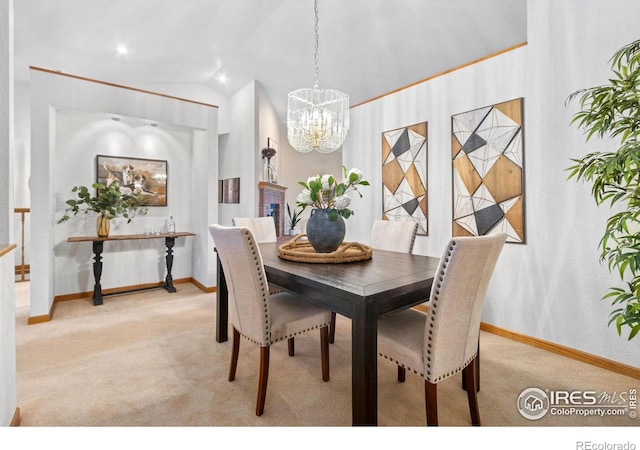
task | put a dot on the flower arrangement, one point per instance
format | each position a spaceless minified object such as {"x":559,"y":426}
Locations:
{"x":324,"y":192}
{"x":110,"y":202}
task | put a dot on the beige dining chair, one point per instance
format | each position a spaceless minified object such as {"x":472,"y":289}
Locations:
{"x":257,"y":315}
{"x":444,"y":341}
{"x":263,"y":228}
{"x":392,"y":235}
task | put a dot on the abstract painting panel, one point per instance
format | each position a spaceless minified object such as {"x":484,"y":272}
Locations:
{"x":488,"y":173}
{"x":404,"y":175}
{"x":229,"y":190}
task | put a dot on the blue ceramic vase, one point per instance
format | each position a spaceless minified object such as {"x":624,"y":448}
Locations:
{"x":325,"y":236}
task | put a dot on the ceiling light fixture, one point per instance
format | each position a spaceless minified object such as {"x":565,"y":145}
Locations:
{"x":317,"y":119}
{"x":122,"y":50}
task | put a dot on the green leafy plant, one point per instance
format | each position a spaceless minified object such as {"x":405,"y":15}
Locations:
{"x":613,"y":110}
{"x":109,"y":201}
{"x":293,"y":217}
{"x":324,"y":192}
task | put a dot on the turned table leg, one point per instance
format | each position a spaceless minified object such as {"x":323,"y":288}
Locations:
{"x":170,"y":242}
{"x":97,"y":272}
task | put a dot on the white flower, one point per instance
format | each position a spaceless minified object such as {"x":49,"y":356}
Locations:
{"x":321,"y":191}
{"x":358,"y":174}
{"x":304,"y":197}
{"x":342,"y":202}
{"x":325,"y":182}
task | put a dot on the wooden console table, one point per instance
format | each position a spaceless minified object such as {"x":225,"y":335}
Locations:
{"x":98,"y":243}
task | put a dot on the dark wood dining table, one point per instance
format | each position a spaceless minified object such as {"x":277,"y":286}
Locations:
{"x":362,"y":291}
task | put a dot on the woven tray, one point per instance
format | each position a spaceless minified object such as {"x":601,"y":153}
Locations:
{"x":300,"y":250}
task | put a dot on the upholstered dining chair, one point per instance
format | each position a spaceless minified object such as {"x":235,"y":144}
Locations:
{"x":254,"y":313}
{"x":444,"y":341}
{"x":263,"y":228}
{"x":392,"y":235}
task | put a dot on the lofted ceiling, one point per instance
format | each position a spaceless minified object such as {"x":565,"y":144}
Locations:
{"x":366,"y":47}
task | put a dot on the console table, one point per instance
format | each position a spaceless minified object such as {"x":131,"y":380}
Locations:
{"x":98,"y":243}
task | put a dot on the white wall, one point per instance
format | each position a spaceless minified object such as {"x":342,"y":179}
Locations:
{"x":253,"y":120}
{"x":198,"y":93}
{"x":550,"y":287}
{"x":78,"y":138}
{"x":8,"y":396}
{"x":22,"y":137}
{"x":6,"y":119}
{"x":269,"y":129}
{"x":291,"y":165}
{"x":51,"y":95}
{"x":239,"y":155}
{"x":7,"y":284}
{"x":296,"y":166}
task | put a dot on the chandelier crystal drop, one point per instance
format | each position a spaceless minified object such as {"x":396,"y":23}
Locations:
{"x":317,"y":119}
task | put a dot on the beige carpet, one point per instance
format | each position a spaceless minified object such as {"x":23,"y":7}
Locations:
{"x":151,"y":359}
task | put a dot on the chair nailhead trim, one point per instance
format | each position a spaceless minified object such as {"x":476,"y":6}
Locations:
{"x":432,"y":314}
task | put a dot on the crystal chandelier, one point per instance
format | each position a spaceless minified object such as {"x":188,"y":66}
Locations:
{"x":317,"y":119}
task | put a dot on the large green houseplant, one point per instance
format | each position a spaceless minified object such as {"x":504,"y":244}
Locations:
{"x":613,"y":110}
{"x":109,"y":202}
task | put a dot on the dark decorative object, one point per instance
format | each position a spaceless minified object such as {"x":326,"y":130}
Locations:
{"x":268,"y":153}
{"x":325,"y":235}
{"x":147,"y":177}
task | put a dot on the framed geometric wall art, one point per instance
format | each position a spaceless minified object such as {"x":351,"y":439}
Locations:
{"x":404,"y":175}
{"x":487,"y":147}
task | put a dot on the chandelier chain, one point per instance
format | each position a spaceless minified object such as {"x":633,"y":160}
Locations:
{"x":315,"y":10}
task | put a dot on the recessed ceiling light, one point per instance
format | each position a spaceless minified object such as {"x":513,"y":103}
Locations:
{"x":122,"y":50}
{"x":222,"y":78}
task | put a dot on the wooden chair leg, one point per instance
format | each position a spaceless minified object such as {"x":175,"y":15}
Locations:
{"x":235,"y":349}
{"x":401,"y":374}
{"x":469,"y":374}
{"x":324,"y":352}
{"x":477,"y":364}
{"x":291,"y":344}
{"x":431,"y":402}
{"x":332,"y":328}
{"x":262,"y":383}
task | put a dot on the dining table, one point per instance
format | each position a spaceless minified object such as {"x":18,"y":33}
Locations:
{"x":362,"y":291}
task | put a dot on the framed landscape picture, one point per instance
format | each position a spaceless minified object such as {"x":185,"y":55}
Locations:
{"x":148,"y":177}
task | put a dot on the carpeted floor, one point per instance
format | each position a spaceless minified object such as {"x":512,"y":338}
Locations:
{"x":151,"y":359}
